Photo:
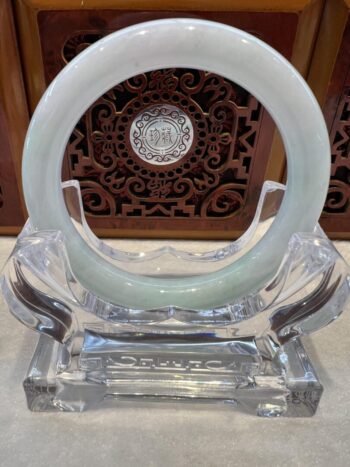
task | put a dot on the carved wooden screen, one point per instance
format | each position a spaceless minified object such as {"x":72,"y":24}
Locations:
{"x":210,"y":187}
{"x":336,"y":216}
{"x":210,"y":182}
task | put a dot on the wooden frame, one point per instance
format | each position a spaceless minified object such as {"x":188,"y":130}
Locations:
{"x":13,"y":110}
{"x":334,"y":18}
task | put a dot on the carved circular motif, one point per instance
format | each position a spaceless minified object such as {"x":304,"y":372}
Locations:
{"x":161,"y":134}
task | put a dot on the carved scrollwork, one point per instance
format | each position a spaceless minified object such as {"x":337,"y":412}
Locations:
{"x":338,"y":199}
{"x":96,"y":199}
{"x":223,"y":200}
{"x":196,"y":165}
{"x":77,"y":43}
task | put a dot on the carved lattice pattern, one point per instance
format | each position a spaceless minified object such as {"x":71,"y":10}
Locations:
{"x":211,"y":181}
{"x":339,"y":188}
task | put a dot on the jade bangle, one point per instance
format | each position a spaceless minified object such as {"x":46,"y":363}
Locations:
{"x":187,"y":43}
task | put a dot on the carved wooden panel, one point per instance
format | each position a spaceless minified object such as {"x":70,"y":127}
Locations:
{"x":336,"y":216}
{"x":338,"y":200}
{"x":210,"y":182}
{"x":215,"y":185}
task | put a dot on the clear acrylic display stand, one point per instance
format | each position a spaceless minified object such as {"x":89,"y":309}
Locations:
{"x":247,"y":354}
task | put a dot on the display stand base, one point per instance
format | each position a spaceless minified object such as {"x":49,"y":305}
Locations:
{"x":246,"y":354}
{"x":165,"y":369}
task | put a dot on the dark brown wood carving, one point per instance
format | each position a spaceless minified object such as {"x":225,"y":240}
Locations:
{"x":339,"y":189}
{"x":336,"y":216}
{"x":215,"y":185}
{"x":210,"y":182}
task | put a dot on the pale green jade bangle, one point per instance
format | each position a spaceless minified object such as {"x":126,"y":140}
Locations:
{"x":188,"y":43}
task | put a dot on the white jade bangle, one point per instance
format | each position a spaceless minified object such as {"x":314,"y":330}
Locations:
{"x":188,"y":43}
